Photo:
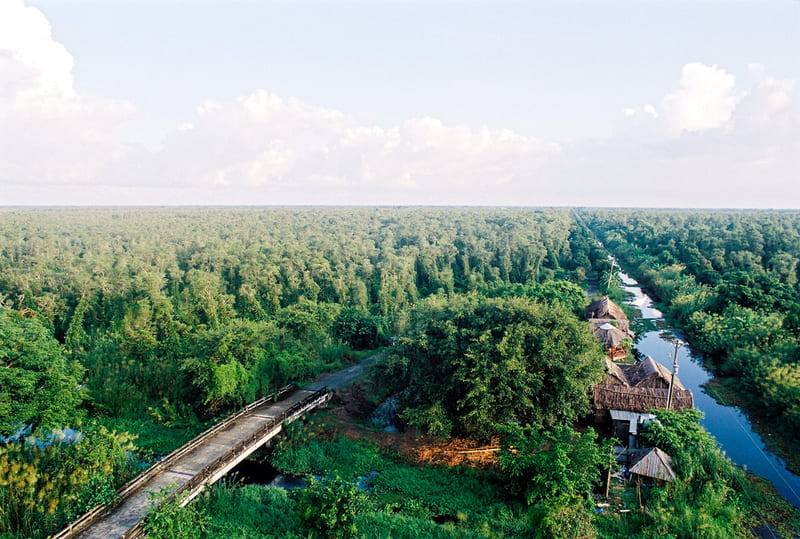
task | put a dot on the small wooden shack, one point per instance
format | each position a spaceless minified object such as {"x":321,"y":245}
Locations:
{"x":653,"y":464}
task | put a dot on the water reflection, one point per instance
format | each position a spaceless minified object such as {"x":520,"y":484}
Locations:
{"x":727,"y":424}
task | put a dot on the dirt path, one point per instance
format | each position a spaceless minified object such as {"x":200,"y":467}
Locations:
{"x":339,"y":379}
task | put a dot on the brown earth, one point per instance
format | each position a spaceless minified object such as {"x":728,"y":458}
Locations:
{"x":351,"y":405}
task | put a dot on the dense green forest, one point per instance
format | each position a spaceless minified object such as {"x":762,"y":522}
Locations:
{"x":730,"y":280}
{"x":154,"y":321}
{"x":196,"y":311}
{"x":125,"y":331}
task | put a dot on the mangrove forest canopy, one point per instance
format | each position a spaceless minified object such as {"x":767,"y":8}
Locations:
{"x":125,"y":331}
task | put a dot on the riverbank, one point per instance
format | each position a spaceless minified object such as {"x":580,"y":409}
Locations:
{"x":739,"y":438}
{"x":722,"y":390}
{"x":718,"y":389}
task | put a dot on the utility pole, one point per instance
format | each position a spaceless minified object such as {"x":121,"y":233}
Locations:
{"x":610,"y":276}
{"x":678,"y":344}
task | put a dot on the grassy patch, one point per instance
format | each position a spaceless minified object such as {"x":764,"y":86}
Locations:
{"x":401,"y":499}
{"x":250,"y":512}
{"x":152,"y":437}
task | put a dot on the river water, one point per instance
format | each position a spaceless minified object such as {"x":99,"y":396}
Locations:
{"x":727,"y":424}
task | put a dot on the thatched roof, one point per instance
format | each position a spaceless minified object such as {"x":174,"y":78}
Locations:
{"x":622,"y":325}
{"x":610,"y":336}
{"x":616,"y":374}
{"x":654,"y":463}
{"x":605,"y":308}
{"x":648,"y":368}
{"x":639,"y":399}
{"x":640,"y":375}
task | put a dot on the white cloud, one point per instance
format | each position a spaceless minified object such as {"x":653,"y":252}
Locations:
{"x":705,"y":143}
{"x":288,"y":147}
{"x":756,"y":69}
{"x":259,"y":148}
{"x":50,"y":133}
{"x":714,"y":145}
{"x":768,"y":102}
{"x":651,"y":110}
{"x":25,"y":39}
{"x":704,"y":98}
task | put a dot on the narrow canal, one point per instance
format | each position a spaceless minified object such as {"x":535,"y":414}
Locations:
{"x":727,"y":424}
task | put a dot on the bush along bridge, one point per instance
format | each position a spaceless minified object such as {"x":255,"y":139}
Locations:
{"x":200,"y":462}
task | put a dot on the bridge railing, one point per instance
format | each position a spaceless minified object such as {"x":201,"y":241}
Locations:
{"x":202,"y":477}
{"x":243,"y":445}
{"x":128,"y":488}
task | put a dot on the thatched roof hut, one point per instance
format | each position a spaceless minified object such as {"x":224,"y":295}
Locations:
{"x":610,"y":336}
{"x":615,"y":376}
{"x":654,"y":464}
{"x":646,"y":373}
{"x":605,"y":309}
{"x":597,"y":322}
{"x":650,"y":373}
{"x":640,"y":399}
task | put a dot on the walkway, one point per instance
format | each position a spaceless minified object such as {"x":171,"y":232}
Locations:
{"x":208,"y":457}
{"x":200,"y":462}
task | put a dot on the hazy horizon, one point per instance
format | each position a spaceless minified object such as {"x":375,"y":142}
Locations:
{"x":542,"y":104}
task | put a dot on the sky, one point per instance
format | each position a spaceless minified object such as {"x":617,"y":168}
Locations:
{"x":524,"y":103}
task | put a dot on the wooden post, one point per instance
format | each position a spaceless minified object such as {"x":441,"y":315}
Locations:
{"x":608,"y":480}
{"x":639,"y":490}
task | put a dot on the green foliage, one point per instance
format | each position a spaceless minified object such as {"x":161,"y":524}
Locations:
{"x":428,"y":492}
{"x":167,"y":315}
{"x":418,"y":493}
{"x":38,"y":385}
{"x":166,"y":519}
{"x":309,"y":455}
{"x":469,"y":362}
{"x":153,"y":437}
{"x":559,"y":464}
{"x":711,"y":494}
{"x":255,"y":511}
{"x":358,"y":329}
{"x":45,"y":483}
{"x":187,"y":312}
{"x":564,"y":293}
{"x":729,"y":279}
{"x":433,"y":419}
{"x":678,"y":431}
{"x":564,"y":517}
{"x":387,"y":524}
{"x":249,"y":512}
{"x":403,"y":500}
{"x":330,"y":507}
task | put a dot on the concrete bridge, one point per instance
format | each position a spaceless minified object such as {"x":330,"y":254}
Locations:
{"x":200,"y":462}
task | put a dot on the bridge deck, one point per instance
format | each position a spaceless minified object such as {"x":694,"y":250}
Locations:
{"x":134,"y":507}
